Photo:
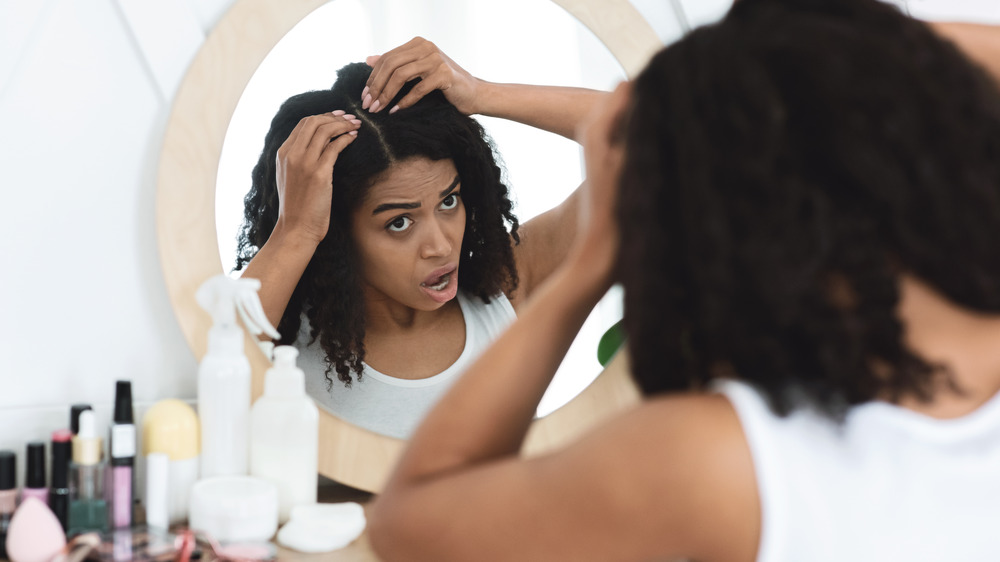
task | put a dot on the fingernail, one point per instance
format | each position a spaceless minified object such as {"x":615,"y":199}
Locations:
{"x":364,"y":92}
{"x":349,"y":116}
{"x":338,"y":112}
{"x":394,"y":109}
{"x":356,"y":121}
{"x":352,"y":133}
{"x":366,"y":102}
{"x":375,"y":106}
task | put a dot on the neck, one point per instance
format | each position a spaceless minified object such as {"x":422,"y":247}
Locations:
{"x":967,"y":342}
{"x":386,"y":316}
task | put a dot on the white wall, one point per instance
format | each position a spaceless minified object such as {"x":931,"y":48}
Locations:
{"x":85,"y":90}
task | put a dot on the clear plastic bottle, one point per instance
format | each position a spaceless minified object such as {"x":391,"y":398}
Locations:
{"x":224,"y":374}
{"x":284,"y":435}
{"x":88,"y":506}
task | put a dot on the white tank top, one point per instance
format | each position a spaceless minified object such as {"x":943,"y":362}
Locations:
{"x":890,"y":484}
{"x":393,"y":406}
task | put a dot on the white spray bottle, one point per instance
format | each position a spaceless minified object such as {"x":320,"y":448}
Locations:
{"x":284,"y":434}
{"x":224,"y":374}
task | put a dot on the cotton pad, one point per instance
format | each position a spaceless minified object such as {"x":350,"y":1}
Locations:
{"x":322,"y":527}
{"x":34,"y":534}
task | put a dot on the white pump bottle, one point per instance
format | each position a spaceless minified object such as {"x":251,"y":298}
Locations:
{"x":284,"y":435}
{"x":224,"y":374}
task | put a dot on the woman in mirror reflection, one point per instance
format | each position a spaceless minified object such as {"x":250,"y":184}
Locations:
{"x":802,"y":203}
{"x":383,"y":235}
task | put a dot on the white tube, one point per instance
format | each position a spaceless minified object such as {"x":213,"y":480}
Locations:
{"x":157,"y":490}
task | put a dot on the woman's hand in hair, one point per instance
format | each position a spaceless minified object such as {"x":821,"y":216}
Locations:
{"x":418,"y":58}
{"x":304,"y":173}
{"x":602,"y":137}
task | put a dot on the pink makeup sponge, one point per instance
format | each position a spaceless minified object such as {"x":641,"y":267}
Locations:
{"x":34,"y":534}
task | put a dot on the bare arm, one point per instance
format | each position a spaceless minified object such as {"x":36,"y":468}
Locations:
{"x":552,"y":108}
{"x":980,"y":42}
{"x":304,"y":180}
{"x":655,"y":483}
{"x":556,"y":109}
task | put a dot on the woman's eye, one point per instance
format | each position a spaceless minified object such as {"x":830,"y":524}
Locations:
{"x":450,"y":202}
{"x":399,"y":224}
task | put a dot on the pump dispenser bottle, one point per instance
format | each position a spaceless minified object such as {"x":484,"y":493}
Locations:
{"x":88,"y":509}
{"x":284,"y":435}
{"x":224,"y":374}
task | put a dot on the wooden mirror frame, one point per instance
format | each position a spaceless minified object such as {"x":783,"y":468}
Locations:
{"x":186,"y":230}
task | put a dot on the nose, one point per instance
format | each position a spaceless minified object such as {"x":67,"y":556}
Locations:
{"x":436,"y":242}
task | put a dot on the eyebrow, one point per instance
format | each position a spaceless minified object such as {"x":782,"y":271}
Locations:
{"x":391,"y":206}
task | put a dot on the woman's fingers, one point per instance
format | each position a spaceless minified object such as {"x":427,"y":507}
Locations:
{"x":300,"y":137}
{"x":333,"y":149}
{"x":423,"y":68}
{"x":304,"y":171}
{"x":328,"y":129}
{"x":422,"y":59}
{"x":386,"y":65}
{"x":603,"y":147}
{"x":426,"y":85}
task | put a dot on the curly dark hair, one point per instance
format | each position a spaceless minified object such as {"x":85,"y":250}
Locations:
{"x":784,"y":167}
{"x":329,"y":292}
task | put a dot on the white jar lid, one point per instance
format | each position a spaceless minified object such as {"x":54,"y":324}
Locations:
{"x":235,"y":508}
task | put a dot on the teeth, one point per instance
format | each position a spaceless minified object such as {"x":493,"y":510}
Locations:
{"x":444,"y":283}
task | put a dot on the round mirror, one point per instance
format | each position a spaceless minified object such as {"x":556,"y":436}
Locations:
{"x":551,"y":47}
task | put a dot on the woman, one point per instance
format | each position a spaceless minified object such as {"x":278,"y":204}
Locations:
{"x":805,"y":225}
{"x":378,"y":214}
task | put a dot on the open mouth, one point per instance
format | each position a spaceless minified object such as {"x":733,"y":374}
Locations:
{"x":442,"y":284}
{"x":438,"y":284}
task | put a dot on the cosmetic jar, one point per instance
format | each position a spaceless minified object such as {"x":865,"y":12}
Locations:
{"x":234,"y":508}
{"x":171,"y":427}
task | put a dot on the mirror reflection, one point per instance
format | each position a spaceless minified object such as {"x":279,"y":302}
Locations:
{"x":415,"y":195}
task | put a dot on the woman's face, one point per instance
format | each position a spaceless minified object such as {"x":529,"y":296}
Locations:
{"x":409,"y":232}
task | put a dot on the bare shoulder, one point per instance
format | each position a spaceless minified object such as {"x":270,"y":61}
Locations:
{"x":545,"y":242}
{"x":685,"y":463}
{"x":669,"y":479}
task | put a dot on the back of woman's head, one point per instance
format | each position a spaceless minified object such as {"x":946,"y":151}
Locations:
{"x":783,"y":168}
{"x":329,"y":292}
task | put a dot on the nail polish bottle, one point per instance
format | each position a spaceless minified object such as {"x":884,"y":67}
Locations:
{"x":62,"y":452}
{"x":8,"y":495}
{"x":34,"y":481}
{"x":88,"y":510}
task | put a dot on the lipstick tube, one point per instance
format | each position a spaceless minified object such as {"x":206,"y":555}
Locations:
{"x":122,"y":439}
{"x":59,"y":497}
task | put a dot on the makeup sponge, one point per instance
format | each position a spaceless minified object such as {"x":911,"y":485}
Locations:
{"x":34,"y":534}
{"x":322,"y":527}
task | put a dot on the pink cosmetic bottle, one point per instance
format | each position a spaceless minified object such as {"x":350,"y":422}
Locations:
{"x":123,"y":448}
{"x":34,"y":481}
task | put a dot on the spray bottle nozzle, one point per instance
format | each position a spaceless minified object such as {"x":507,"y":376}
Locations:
{"x":284,"y":356}
{"x":222,"y":296}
